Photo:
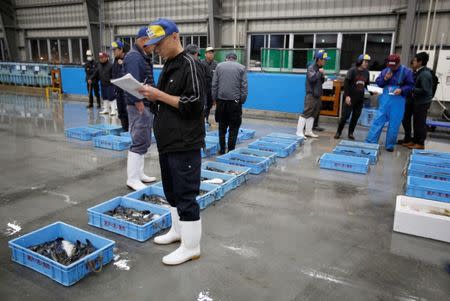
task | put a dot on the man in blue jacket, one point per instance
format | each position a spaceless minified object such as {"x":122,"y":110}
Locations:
{"x":397,"y":82}
{"x":139,"y":64}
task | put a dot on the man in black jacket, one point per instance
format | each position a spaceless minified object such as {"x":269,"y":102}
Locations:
{"x":211,"y":66}
{"x":178,"y":104}
{"x":355,"y":83}
{"x":103,"y":74}
{"x":89,"y":68}
{"x":422,"y":94}
{"x":118,"y":70}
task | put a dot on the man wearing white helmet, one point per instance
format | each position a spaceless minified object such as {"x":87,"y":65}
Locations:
{"x":89,"y":68}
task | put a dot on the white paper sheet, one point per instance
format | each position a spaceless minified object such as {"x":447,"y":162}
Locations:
{"x":375,"y":89}
{"x":130,"y":84}
{"x":327,"y":85}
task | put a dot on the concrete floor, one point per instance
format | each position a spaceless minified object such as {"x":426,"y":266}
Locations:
{"x":294,"y":233}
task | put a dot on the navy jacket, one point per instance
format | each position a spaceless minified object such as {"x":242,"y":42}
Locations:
{"x":140,"y":65}
{"x":404,"y":79}
{"x":103,"y":73}
{"x":118,"y":70}
{"x":314,"y":81}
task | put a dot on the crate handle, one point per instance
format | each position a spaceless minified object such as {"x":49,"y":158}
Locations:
{"x":91,"y":264}
{"x":158,"y":225}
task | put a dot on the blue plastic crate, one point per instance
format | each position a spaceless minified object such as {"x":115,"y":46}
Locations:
{"x":276,"y":140}
{"x":239,"y":139}
{"x":108,"y":129}
{"x":257,"y":164}
{"x":208,"y":198}
{"x":66,"y":275}
{"x":212,"y":140}
{"x":112,"y":142}
{"x":434,"y":161}
{"x":428,"y":189}
{"x":256,"y":152}
{"x":357,"y":152}
{"x":230,"y":181}
{"x":247,"y":134}
{"x":344,"y":163}
{"x":300,"y":140}
{"x":367,"y":117}
{"x":125,"y":134}
{"x":210,"y":149}
{"x":282,"y":150}
{"x":149,"y":190}
{"x":424,"y":171}
{"x":431,"y":153}
{"x":240,"y":172}
{"x":82,"y":133}
{"x":359,"y":144}
{"x":97,"y":218}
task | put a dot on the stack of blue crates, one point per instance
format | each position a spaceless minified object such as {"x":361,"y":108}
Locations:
{"x":429,"y":175}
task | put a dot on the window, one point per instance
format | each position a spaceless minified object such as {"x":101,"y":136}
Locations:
{"x":2,"y":51}
{"x":352,"y":47}
{"x":76,"y":51}
{"x":378,"y":47}
{"x":84,"y":48}
{"x":203,"y":42}
{"x":54,"y":51}
{"x":64,"y":55}
{"x":300,"y":56}
{"x":276,"y":41}
{"x":257,"y":42}
{"x":326,"y":40}
{"x":43,"y":51}
{"x":200,"y":40}
{"x":34,"y":49}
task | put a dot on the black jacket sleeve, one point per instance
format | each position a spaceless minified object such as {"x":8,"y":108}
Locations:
{"x":192,"y":97}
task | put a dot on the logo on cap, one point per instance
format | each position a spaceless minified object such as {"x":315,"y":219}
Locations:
{"x":155,"y":31}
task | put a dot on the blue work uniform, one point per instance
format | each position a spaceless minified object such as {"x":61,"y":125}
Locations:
{"x":391,"y":107}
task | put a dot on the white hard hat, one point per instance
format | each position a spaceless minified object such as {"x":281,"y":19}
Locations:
{"x":89,"y":52}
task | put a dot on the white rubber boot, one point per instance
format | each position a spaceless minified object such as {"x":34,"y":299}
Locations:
{"x":191,"y":233}
{"x":106,"y":107}
{"x":309,"y":126}
{"x":133,"y":170}
{"x":113,"y":108}
{"x":174,"y":233}
{"x":143,"y":177}
{"x":300,"y":126}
